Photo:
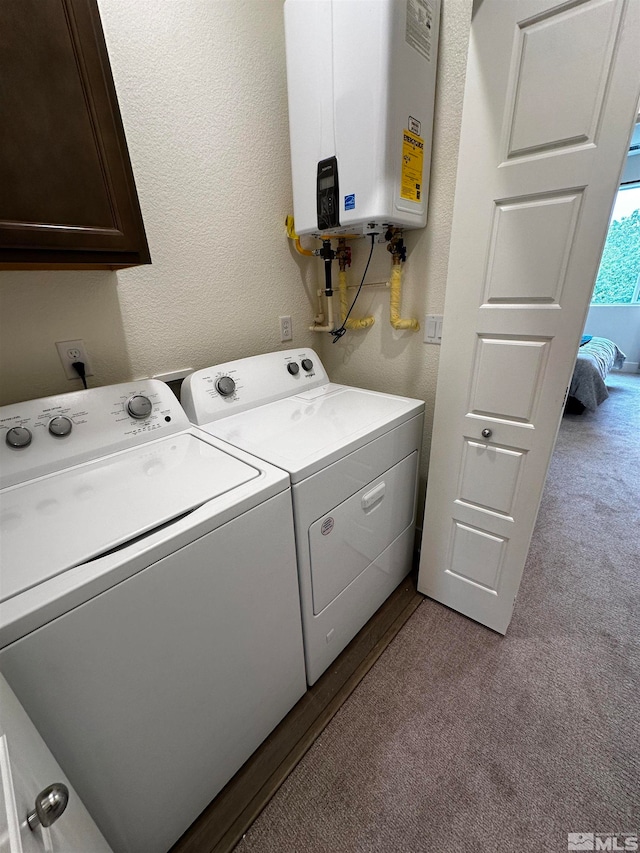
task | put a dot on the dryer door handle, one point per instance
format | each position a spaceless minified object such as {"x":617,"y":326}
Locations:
{"x":373,"y":497}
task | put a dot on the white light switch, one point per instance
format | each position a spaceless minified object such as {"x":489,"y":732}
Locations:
{"x":433,"y":329}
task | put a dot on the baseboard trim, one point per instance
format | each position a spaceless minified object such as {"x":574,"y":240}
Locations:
{"x":225,"y":820}
{"x":630,"y":367}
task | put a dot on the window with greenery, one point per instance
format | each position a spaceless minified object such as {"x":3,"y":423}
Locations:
{"x":618,"y":280}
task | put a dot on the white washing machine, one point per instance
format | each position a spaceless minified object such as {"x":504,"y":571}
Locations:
{"x":149,"y":616}
{"x":352,"y":456}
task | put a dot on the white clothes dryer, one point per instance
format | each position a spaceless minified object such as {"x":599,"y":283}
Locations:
{"x":149,"y":615}
{"x":352,"y":456}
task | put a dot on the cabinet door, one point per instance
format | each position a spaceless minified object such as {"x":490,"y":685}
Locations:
{"x":26,"y":767}
{"x":68,"y":194}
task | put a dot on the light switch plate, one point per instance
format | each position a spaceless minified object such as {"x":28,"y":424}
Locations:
{"x":433,"y":329}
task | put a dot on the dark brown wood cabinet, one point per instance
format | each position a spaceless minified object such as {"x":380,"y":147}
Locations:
{"x":67,"y":194}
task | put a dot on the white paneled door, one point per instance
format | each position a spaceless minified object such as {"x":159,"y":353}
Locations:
{"x":551,"y":96}
{"x":26,"y":769}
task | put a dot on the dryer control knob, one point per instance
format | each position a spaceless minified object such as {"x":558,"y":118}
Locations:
{"x":307,"y":364}
{"x":60,"y":426}
{"x":293,"y":368}
{"x":18,"y":437}
{"x":225,"y":386}
{"x":139,"y":406}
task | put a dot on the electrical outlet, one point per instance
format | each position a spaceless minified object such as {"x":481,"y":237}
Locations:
{"x":70,"y":351}
{"x":286,"y":329}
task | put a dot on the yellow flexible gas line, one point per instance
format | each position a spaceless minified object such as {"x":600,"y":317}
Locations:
{"x":363,"y":322}
{"x":291,"y":234}
{"x":395,"y":284}
{"x":299,"y":248}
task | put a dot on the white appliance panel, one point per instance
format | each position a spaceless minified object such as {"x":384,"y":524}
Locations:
{"x":92,"y":508}
{"x":46,"y":601}
{"x":308,"y":431}
{"x":327,"y":633}
{"x":316,"y":495}
{"x":156,"y":667}
{"x":152,"y":694}
{"x":99,"y":424}
{"x":331,"y":631}
{"x":254,"y":381}
{"x":360,"y":74}
{"x":334,"y":441}
{"x":348,"y":538}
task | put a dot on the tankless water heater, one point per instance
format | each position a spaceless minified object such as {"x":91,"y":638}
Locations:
{"x":361,"y":84}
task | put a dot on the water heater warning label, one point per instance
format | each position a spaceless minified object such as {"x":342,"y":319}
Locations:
{"x":412,"y":160}
{"x":420,"y":26}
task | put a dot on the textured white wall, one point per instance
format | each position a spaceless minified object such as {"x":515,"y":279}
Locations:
{"x":381,"y":358}
{"x":202,"y":90}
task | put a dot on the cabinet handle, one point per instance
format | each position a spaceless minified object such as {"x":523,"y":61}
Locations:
{"x":486,"y":433}
{"x":49,"y":805}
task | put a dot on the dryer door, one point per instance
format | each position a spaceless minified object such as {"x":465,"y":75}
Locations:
{"x":348,"y":539}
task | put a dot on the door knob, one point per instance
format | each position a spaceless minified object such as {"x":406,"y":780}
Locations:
{"x":486,"y":433}
{"x":49,"y":805}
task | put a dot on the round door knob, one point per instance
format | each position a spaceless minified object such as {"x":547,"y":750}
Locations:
{"x":293,"y":368}
{"x":139,"y":406}
{"x":225,"y":386}
{"x":19,"y":437}
{"x":49,"y":805}
{"x":486,"y":433}
{"x":307,"y":364}
{"x":60,"y":426}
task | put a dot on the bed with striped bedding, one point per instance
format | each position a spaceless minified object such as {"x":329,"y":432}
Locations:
{"x":595,"y":359}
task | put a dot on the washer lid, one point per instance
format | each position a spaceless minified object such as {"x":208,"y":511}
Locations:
{"x":308,"y":431}
{"x":56,"y":522}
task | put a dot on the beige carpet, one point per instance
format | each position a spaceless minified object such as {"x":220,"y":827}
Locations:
{"x":461,"y":740}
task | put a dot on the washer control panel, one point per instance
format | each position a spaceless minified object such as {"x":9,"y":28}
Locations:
{"x":43,"y":436}
{"x":60,"y":425}
{"x":139,"y":406}
{"x":226,"y":389}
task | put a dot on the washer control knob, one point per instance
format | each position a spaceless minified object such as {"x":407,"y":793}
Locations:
{"x":19,"y":437}
{"x":225,"y":386}
{"x":60,"y":426}
{"x":139,"y":406}
{"x":307,"y":364}
{"x":293,"y":368}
